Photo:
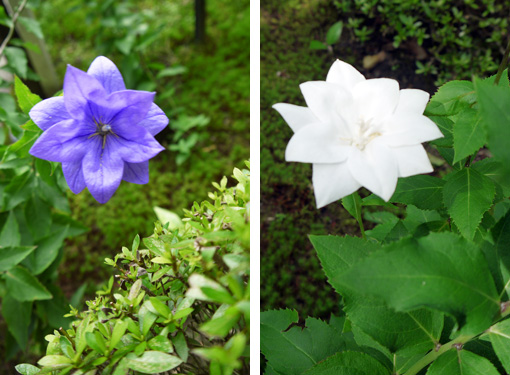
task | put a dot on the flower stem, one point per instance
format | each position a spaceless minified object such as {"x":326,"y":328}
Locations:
{"x":13,"y":24}
{"x":504,"y":63}
{"x":432,"y":355}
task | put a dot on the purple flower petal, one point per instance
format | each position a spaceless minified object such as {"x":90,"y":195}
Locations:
{"x":66,"y":141}
{"x":155,"y":121}
{"x":132,"y":107}
{"x":105,"y":71}
{"x":73,"y":174}
{"x":140,"y":147}
{"x":102,"y":170}
{"x":79,"y":88}
{"x":136,"y":173}
{"x":49,"y":112}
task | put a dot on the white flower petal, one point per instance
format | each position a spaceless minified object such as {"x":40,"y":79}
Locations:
{"x":376,"y":99}
{"x":316,"y":143}
{"x":375,"y":168}
{"x":296,"y":116}
{"x":412,"y":160}
{"x":406,"y":129}
{"x":344,"y":74}
{"x":332,"y":182}
{"x":412,"y":100}
{"x":330,"y":103}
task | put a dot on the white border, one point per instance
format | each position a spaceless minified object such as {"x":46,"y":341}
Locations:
{"x":255,"y":187}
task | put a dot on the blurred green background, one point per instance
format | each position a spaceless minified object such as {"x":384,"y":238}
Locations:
{"x":420,"y":44}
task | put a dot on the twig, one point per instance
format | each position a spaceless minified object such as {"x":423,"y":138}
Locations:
{"x":11,"y":29}
{"x":504,"y":63}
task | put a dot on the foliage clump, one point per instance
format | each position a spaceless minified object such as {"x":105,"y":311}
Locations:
{"x":181,"y":301}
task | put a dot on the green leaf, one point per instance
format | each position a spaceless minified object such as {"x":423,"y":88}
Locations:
{"x":38,"y":217}
{"x":18,"y":190}
{"x":334,"y":33}
{"x":26,"y":100}
{"x":55,"y":361}
{"x":25,"y":287}
{"x":349,"y":363}
{"x":17,"y":316}
{"x":445,"y":125}
{"x":66,"y":347}
{"x":9,"y":236}
{"x":316,"y":45}
{"x":435,"y":272}
{"x":11,"y":256}
{"x":412,"y":332}
{"x":352,"y":203}
{"x":161,"y":343}
{"x":451,"y":98}
{"x":152,"y":362}
{"x":23,"y":145}
{"x":181,"y":346}
{"x":118,"y":332}
{"x":221,"y":323}
{"x":422,"y":191}
{"x":461,"y":362}
{"x":32,"y":25}
{"x":468,"y":195}
{"x":17,"y":60}
{"x":294,"y":350}
{"x":468,"y":134}
{"x":96,"y":341}
{"x":46,"y":252}
{"x":499,"y":335}
{"x":27,"y":369}
{"x":495,"y":113}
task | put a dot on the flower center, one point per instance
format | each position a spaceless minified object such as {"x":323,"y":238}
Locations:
{"x":365,"y":132}
{"x":102,"y":130}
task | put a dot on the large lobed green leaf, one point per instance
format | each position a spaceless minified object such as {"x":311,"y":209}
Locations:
{"x":422,"y":191}
{"x":461,"y":362}
{"x":295,"y":350}
{"x":442,"y":272}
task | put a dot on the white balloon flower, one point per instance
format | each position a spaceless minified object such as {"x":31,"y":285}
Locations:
{"x":358,"y":132}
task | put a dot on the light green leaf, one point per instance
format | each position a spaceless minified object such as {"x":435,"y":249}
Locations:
{"x":422,"y":191}
{"x":461,"y":362}
{"x":118,"y":332}
{"x":23,"y":286}
{"x":349,"y":363}
{"x":161,"y":343}
{"x":17,"y":60}
{"x":334,"y":33}
{"x":434,"y":272}
{"x":499,"y":335}
{"x":451,"y":98}
{"x":27,"y":369}
{"x":468,"y":134}
{"x":468,"y":195}
{"x":32,"y":25}
{"x":167,"y":216}
{"x":55,"y":361}
{"x":26,"y":100}
{"x":152,"y":362}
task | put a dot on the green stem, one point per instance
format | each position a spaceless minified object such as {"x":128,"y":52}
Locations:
{"x":431,"y":356}
{"x":504,"y":63}
{"x":10,"y":33}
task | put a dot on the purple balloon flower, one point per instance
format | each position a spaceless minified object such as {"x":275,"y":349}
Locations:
{"x":99,"y":131}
